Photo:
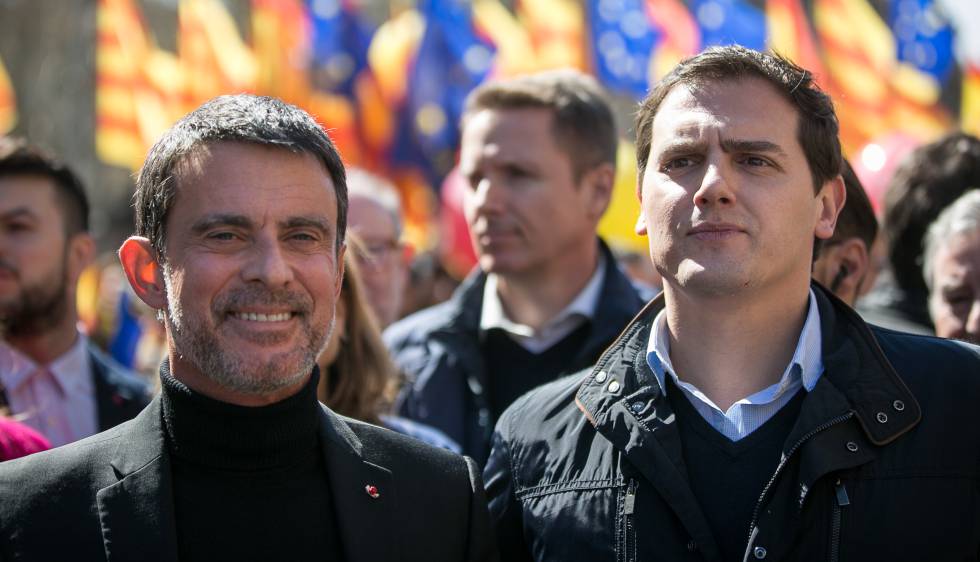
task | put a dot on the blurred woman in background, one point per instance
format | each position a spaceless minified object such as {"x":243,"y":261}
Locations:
{"x":357,"y":377}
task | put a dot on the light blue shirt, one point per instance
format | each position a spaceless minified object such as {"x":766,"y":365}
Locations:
{"x":747,"y":414}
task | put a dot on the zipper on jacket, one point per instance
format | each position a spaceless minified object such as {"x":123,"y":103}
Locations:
{"x":629,"y":535}
{"x":841,"y":495}
{"x":784,"y":462}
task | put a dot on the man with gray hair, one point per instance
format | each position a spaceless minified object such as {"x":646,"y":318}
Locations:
{"x":538,"y":158}
{"x":375,"y":217}
{"x":240,"y":219}
{"x":951,"y":269}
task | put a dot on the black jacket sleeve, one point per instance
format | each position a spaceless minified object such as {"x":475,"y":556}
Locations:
{"x":505,"y":510}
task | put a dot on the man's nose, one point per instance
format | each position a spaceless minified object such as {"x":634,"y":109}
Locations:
{"x":716,"y":187}
{"x":487,"y":196}
{"x":268,"y":263}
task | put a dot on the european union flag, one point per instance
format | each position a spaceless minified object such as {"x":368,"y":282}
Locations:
{"x":727,"y":22}
{"x":340,"y":44}
{"x":450,"y":62}
{"x":622,"y":42}
{"x":923,"y":36}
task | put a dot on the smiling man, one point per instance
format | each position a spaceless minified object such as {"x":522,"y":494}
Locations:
{"x":240,"y":219}
{"x":746,"y":413}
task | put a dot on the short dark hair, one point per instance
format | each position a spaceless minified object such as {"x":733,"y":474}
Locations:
{"x":583,"y":126}
{"x":244,"y":118}
{"x":857,"y":218}
{"x":817,"y":128}
{"x":19,"y":157}
{"x":927,"y":181}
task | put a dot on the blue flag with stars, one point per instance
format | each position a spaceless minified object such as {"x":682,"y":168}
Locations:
{"x":622,"y":44}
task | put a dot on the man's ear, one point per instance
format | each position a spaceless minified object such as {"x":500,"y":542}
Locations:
{"x":81,"y":252}
{"x":144,"y":273}
{"x":641,"y":224}
{"x":831,"y":200}
{"x":601,"y":181}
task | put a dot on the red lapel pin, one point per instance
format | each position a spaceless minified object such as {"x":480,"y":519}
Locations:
{"x":372,"y":491}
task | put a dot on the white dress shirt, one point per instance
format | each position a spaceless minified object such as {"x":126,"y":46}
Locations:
{"x":749,"y":413}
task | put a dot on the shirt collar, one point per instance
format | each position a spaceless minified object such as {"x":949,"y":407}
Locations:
{"x":71,"y":370}
{"x":16,"y":368}
{"x":584,"y":305}
{"x":806,"y":366}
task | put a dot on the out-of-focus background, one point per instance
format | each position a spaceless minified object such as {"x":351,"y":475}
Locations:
{"x":96,"y":81}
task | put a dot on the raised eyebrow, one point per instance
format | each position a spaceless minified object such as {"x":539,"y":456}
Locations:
{"x":212,"y":221}
{"x":745,"y":145}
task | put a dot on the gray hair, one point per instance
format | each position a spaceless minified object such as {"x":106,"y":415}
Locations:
{"x":264,"y":121}
{"x":962,"y":215}
{"x":361,"y":183}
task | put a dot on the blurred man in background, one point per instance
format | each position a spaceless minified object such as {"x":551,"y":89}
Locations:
{"x":375,"y":216}
{"x":51,"y":377}
{"x":844,"y":263}
{"x":951,"y":268}
{"x":926,"y":182}
{"x":538,"y":156}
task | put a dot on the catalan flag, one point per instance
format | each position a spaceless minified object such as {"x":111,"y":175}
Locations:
{"x":515,"y":50}
{"x":557,"y":31}
{"x":680,"y":36}
{"x":8,"y":102}
{"x":214,"y":58}
{"x":875,"y":92}
{"x":791,"y":36}
{"x":138,"y":86}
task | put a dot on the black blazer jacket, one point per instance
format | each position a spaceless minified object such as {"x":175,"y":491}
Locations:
{"x":110,"y":497}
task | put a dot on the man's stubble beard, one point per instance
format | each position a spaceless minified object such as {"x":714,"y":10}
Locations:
{"x":201,"y":347}
{"x":38,"y":307}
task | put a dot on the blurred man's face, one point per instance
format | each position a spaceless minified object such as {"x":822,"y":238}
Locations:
{"x":252,"y":273}
{"x":33,"y":256}
{"x":955,"y":298}
{"x":382,"y":264}
{"x":727,"y":197}
{"x":524,"y":207}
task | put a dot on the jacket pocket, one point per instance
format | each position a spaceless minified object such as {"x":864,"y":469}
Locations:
{"x":627,"y":542}
{"x":840,"y":501}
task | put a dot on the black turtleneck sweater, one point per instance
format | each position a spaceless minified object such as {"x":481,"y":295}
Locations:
{"x":250,"y":483}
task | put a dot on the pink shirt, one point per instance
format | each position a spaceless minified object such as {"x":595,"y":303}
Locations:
{"x":58,"y":399}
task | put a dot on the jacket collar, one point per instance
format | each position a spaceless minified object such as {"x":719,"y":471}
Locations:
{"x":137,"y":512}
{"x":854,"y":365}
{"x":617,"y":301}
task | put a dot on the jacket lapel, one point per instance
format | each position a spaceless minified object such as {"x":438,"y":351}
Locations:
{"x":647,"y":437}
{"x":365,"y":522}
{"x":137,"y":512}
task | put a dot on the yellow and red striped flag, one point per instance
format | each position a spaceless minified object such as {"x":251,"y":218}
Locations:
{"x":8,"y":101}
{"x":138,"y":86}
{"x":874,"y":93}
{"x":557,"y":32}
{"x":681,"y":37}
{"x":214,"y":58}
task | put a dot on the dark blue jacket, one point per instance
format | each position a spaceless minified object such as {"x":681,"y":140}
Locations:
{"x":120,"y":394}
{"x":883,"y":462}
{"x":439,"y":350}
